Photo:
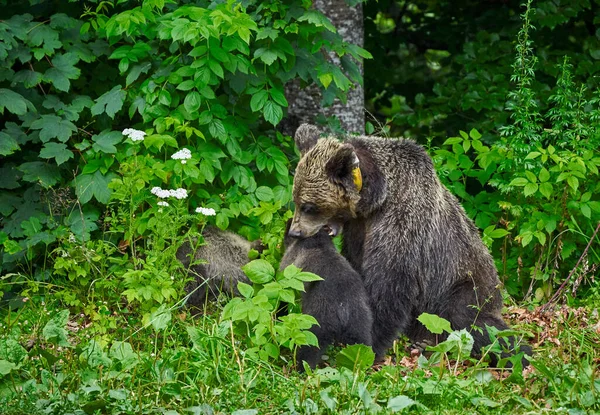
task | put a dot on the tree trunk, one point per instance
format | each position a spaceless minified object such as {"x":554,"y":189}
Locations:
{"x":305,"y":103}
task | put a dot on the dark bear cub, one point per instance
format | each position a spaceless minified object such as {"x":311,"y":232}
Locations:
{"x":339,"y":302}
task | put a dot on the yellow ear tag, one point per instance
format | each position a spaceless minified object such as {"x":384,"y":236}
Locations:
{"x":357,"y":178}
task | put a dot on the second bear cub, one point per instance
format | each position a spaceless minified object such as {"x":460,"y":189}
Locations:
{"x":339,"y":302}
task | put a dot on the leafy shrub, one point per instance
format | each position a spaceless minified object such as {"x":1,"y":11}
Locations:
{"x":532,"y":190}
{"x":255,"y":316}
{"x":207,"y":79}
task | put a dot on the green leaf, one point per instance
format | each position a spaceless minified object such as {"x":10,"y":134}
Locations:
{"x":110,"y":102}
{"x":544,"y":175}
{"x":93,"y":185}
{"x":573,"y":182}
{"x":533,"y":155}
{"x":28,"y":77}
{"x":6,"y":367}
{"x":58,"y":151}
{"x":40,"y":172}
{"x":498,"y":233}
{"x":246,"y":290}
{"x":106,"y":140}
{"x":52,"y":126}
{"x":546,"y":189}
{"x":357,"y":357}
{"x":453,"y":140}
{"x":474,"y":134}
{"x":326,"y":79}
{"x":278,"y":97}
{"x":400,"y":403}
{"x":530,"y":188}
{"x":160,"y":318}
{"x":531,"y":176}
{"x":265,"y":55}
{"x":318,"y":19}
{"x":258,"y":100}
{"x":13,"y":102}
{"x":63,"y":69}
{"x":435,"y":324}
{"x":272,"y":112}
{"x":264,"y":193}
{"x":192,"y":101}
{"x":519,"y":181}
{"x":54,"y":330}
{"x":259,"y":271}
{"x":8,"y":145}
{"x":586,"y":211}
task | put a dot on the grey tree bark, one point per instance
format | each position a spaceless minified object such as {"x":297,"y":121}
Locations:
{"x":305,"y":103}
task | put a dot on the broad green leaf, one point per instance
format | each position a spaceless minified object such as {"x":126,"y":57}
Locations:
{"x":573,"y":182}
{"x":326,"y":79}
{"x":43,"y":173}
{"x":399,"y":403}
{"x":63,"y":69}
{"x":57,"y":151}
{"x":530,"y":188}
{"x":160,"y":318}
{"x":51,"y":126}
{"x":246,"y":290}
{"x":519,"y":181}
{"x":356,"y":357}
{"x":435,"y":324}
{"x":93,"y":185}
{"x":272,"y":112}
{"x":474,"y":134}
{"x":531,"y":176}
{"x":6,"y":367}
{"x":544,"y":175}
{"x":54,"y":331}
{"x":8,"y":145}
{"x":264,"y":193}
{"x":278,"y":97}
{"x":586,"y":211}
{"x":110,"y":102}
{"x":106,"y":140}
{"x":13,"y":102}
{"x":265,"y":55}
{"x":258,"y":100}
{"x":259,"y":271}
{"x":498,"y":233}
{"x":546,"y":189}
{"x":192,"y":101}
{"x":318,"y":19}
{"x":94,"y":355}
{"x":28,"y":77}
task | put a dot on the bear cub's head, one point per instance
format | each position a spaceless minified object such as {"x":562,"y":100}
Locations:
{"x":327,"y":184}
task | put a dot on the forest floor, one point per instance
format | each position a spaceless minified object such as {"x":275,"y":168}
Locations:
{"x":193,"y":366}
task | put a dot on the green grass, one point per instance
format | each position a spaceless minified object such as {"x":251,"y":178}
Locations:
{"x":195,"y":365}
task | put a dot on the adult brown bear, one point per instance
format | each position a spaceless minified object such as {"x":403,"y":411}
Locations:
{"x":403,"y":231}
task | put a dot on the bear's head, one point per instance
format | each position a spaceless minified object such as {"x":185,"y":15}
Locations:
{"x":327,"y":183}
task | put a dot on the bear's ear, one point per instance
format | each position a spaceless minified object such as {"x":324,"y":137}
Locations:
{"x":341,"y":166}
{"x":306,"y":137}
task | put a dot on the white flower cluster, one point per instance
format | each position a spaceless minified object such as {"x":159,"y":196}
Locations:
{"x":163,"y":193}
{"x":161,"y":203}
{"x":206,"y":211}
{"x":135,"y":135}
{"x":183,"y":155}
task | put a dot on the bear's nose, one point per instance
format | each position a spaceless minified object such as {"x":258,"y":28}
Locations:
{"x":296,"y":233}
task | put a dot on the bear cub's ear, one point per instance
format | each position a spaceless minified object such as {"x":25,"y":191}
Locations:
{"x":340,"y":166}
{"x":306,"y":137}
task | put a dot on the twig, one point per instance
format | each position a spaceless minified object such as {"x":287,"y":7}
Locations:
{"x":562,"y":286}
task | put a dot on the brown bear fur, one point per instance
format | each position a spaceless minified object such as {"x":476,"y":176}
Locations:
{"x":216,"y":264}
{"x":403,"y":231}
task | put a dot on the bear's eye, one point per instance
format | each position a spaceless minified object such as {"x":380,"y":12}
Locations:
{"x":309,"y":208}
